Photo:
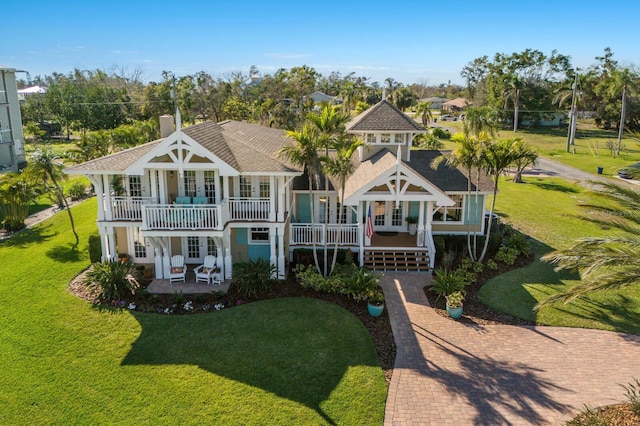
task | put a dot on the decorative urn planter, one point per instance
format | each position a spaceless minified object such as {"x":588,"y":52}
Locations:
{"x":454,"y":313}
{"x":375,"y":309}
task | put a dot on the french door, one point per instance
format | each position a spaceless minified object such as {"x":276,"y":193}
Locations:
{"x":194,"y":249}
{"x":388,"y":216}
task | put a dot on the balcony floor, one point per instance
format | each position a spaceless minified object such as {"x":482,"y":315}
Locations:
{"x":401,"y":239}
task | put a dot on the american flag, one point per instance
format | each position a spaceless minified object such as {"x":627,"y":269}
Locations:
{"x":369,"y":225}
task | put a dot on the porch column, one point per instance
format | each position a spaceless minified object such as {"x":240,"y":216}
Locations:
{"x":361,"y":233}
{"x":109,"y":243}
{"x":272,"y":198}
{"x":108,"y":207}
{"x":367,"y":241}
{"x":228,"y":266}
{"x":420,"y":240}
{"x":162,"y":181}
{"x":226,"y":192}
{"x":281,"y":268}
{"x":218,"y":189}
{"x":273,"y":259}
{"x":281,"y":202}
{"x":153,"y":185}
{"x":96,"y":181}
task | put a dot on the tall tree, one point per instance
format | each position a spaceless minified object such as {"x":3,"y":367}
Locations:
{"x":479,"y":120}
{"x":524,"y":156}
{"x":605,"y":263}
{"x":424,"y":111}
{"x":304,"y":154}
{"x":341,"y":166}
{"x":48,"y":168}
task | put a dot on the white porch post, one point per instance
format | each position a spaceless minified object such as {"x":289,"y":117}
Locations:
{"x":108,"y":208}
{"x":226,"y":192}
{"x":110,"y":242}
{"x":220,"y":250}
{"x":153,"y":184}
{"x":420,"y":240}
{"x":281,"y":199}
{"x":218,"y":189}
{"x":367,"y":241}
{"x":272,"y":198}
{"x":273,"y":259}
{"x":228,"y":265}
{"x":361,"y":233}
{"x":281,"y":269}
{"x":166,"y":261}
{"x":96,"y":181}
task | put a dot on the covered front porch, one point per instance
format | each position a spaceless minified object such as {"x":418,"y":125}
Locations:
{"x":190,"y":286}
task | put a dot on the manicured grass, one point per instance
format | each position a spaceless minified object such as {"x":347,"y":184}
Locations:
{"x":540,"y":208}
{"x":284,"y":361}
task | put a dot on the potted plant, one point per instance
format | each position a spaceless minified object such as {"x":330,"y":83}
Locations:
{"x":123,"y":257}
{"x":375,"y":302}
{"x":454,"y":304}
{"x":413,"y":224}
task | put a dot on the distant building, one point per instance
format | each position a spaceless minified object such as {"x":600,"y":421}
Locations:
{"x":33,"y":90}
{"x":434,"y":102}
{"x":455,"y":105}
{"x":319,"y":97}
{"x":11,"y":139}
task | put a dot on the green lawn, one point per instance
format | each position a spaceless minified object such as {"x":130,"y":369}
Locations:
{"x":284,"y":361}
{"x":540,"y":208}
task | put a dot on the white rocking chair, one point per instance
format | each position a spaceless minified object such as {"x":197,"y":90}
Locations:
{"x":178,"y":271}
{"x":208,"y":271}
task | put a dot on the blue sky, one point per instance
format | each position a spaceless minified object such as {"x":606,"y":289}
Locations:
{"x":410,"y":41}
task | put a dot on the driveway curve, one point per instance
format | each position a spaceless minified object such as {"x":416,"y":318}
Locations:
{"x":447,"y":372}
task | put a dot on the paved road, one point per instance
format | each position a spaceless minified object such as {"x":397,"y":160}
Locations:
{"x":449,"y":373}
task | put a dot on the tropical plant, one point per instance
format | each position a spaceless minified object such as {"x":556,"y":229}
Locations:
{"x":360,"y":285}
{"x":455,"y":299}
{"x":77,"y":190}
{"x":376,"y":296}
{"x":18,"y":191}
{"x":604,"y":263}
{"x":425,"y":113}
{"x":632,"y":392}
{"x":47,"y":167}
{"x":446,"y":282}
{"x":341,"y":167}
{"x":253,"y":276}
{"x":304,"y":153}
{"x":523,"y":156}
{"x":113,"y":280}
{"x":480,"y":120}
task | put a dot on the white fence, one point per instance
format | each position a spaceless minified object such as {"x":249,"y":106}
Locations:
{"x":303,"y":234}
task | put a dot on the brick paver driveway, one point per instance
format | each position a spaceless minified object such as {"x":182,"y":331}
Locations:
{"x":452,"y":373}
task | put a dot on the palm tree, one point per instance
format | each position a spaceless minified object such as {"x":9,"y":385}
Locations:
{"x":482,"y":119}
{"x":524,"y":156}
{"x":17,"y":192}
{"x":425,"y":113}
{"x":468,"y":154}
{"x":330,"y":125}
{"x":496,"y":157}
{"x":305,"y":154}
{"x":623,"y":80}
{"x":47,"y":167}
{"x":605,"y":263}
{"x":513,"y":91}
{"x":341,"y":166}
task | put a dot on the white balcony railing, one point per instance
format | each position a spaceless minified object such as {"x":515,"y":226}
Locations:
{"x":129,"y":208}
{"x":163,"y":217}
{"x":302,"y":233}
{"x":248,"y":208}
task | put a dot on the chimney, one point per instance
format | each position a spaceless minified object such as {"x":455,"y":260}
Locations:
{"x":166,"y":125}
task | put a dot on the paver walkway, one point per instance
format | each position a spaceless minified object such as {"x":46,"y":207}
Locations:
{"x":447,"y":372}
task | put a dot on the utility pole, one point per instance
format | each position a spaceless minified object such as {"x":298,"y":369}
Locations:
{"x":574,"y":115}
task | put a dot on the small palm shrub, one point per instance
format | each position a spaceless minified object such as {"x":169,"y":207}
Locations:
{"x":440,"y":133}
{"x":253,"y":276}
{"x":447,"y":282}
{"x":76,"y":191}
{"x":360,"y":285}
{"x":113,"y":280}
{"x":519,"y":242}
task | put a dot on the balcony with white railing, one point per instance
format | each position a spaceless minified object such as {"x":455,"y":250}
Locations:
{"x":182,"y":217}
{"x":129,"y":208}
{"x":248,"y":209}
{"x":303,"y":234}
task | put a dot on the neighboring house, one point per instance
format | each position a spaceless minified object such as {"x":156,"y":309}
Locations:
{"x":455,"y":105}
{"x":434,"y":102}
{"x":33,"y":90}
{"x":543,"y":119}
{"x":11,"y":139}
{"x":319,"y":98}
{"x":223,"y":189}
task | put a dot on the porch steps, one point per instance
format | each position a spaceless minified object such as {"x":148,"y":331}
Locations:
{"x":404,"y":259}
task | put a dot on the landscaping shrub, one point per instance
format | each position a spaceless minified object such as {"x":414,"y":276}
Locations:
{"x":253,"y":276}
{"x":76,"y":191}
{"x":95,"y":249}
{"x":506,"y":255}
{"x":348,"y":280}
{"x":114,"y":280}
{"x":518,"y":242}
{"x":441,"y":133}
{"x":632,"y":393}
{"x":361,"y":285}
{"x":304,"y":256}
{"x":446,"y":282}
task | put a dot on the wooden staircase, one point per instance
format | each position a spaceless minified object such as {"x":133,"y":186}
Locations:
{"x":402,"y":259}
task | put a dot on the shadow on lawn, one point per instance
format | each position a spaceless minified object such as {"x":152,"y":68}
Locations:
{"x":64,"y":254}
{"x":552,"y":186}
{"x":287,"y":347}
{"x":620,"y":313}
{"x":28,"y":236}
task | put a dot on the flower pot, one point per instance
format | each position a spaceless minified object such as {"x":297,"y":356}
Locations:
{"x":375,"y":309}
{"x":454,"y":313}
{"x":413,"y":229}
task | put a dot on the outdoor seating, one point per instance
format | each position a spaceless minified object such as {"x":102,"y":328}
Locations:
{"x":183,"y":200}
{"x":178,"y":270}
{"x":208,"y":271}
{"x":200,"y":200}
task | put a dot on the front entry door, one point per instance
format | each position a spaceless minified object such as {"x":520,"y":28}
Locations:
{"x":388,"y":216}
{"x":196,"y":248}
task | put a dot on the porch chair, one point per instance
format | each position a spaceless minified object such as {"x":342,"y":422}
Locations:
{"x":199,"y":200}
{"x":178,"y":271}
{"x":208,"y":271}
{"x":183,"y":200}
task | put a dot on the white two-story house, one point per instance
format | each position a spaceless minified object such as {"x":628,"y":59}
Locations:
{"x":223,"y":189}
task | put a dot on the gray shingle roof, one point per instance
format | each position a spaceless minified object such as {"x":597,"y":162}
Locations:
{"x":117,"y":162}
{"x":444,"y":177}
{"x":245,"y":147}
{"x":383,"y":116}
